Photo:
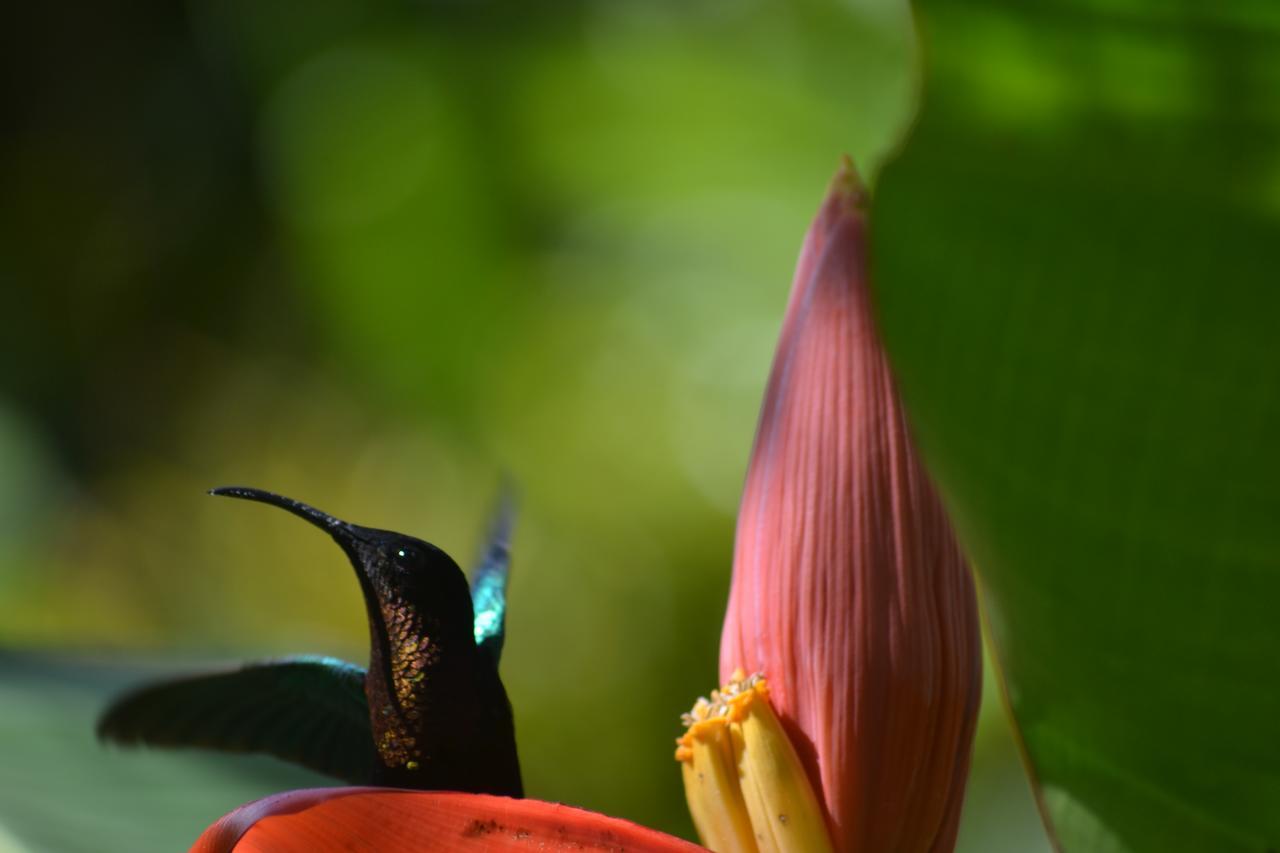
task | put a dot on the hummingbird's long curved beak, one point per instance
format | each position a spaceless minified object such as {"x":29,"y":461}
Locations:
{"x":341,"y":530}
{"x":363,"y":546}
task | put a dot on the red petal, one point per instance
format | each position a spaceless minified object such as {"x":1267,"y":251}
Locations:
{"x":388,"y":819}
{"x":849,"y":591}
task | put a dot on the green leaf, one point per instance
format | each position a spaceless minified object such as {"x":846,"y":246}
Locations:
{"x":1077,"y":256}
{"x":61,"y":789}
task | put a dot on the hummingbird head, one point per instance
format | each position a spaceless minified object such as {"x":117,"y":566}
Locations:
{"x":395,"y":571}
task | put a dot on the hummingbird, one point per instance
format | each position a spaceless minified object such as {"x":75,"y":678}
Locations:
{"x":429,"y":713}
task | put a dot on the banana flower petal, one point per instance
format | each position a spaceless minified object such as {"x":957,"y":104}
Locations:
{"x":747,"y":789}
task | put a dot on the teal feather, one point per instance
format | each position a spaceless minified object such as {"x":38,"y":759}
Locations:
{"x":489,"y":580}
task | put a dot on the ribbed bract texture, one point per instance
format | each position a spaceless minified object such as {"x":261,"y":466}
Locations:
{"x":849,"y":590}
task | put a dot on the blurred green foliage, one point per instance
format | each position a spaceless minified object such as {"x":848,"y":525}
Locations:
{"x":372,"y":254}
{"x":1076,"y":258}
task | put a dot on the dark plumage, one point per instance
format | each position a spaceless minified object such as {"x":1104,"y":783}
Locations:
{"x":429,"y":713}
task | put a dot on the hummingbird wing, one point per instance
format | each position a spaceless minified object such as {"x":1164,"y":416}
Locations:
{"x":489,"y":580}
{"x":310,"y":710}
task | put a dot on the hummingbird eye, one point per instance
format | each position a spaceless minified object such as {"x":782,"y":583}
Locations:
{"x":406,"y":557}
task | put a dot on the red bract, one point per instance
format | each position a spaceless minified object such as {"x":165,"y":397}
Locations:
{"x":320,"y":820}
{"x":849,"y":591}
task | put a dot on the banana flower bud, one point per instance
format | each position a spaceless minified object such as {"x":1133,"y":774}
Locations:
{"x":850,"y":593}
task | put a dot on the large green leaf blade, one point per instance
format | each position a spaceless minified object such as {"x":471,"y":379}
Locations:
{"x":1078,"y":266}
{"x":62,"y":790}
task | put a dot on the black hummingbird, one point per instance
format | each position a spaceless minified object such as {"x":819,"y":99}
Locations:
{"x":429,"y":713}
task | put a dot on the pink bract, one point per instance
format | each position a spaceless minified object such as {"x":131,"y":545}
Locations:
{"x":849,"y":590}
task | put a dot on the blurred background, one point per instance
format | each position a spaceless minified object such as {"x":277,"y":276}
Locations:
{"x":372,"y":255}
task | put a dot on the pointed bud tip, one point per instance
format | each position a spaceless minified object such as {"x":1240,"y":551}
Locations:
{"x":847,"y":185}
